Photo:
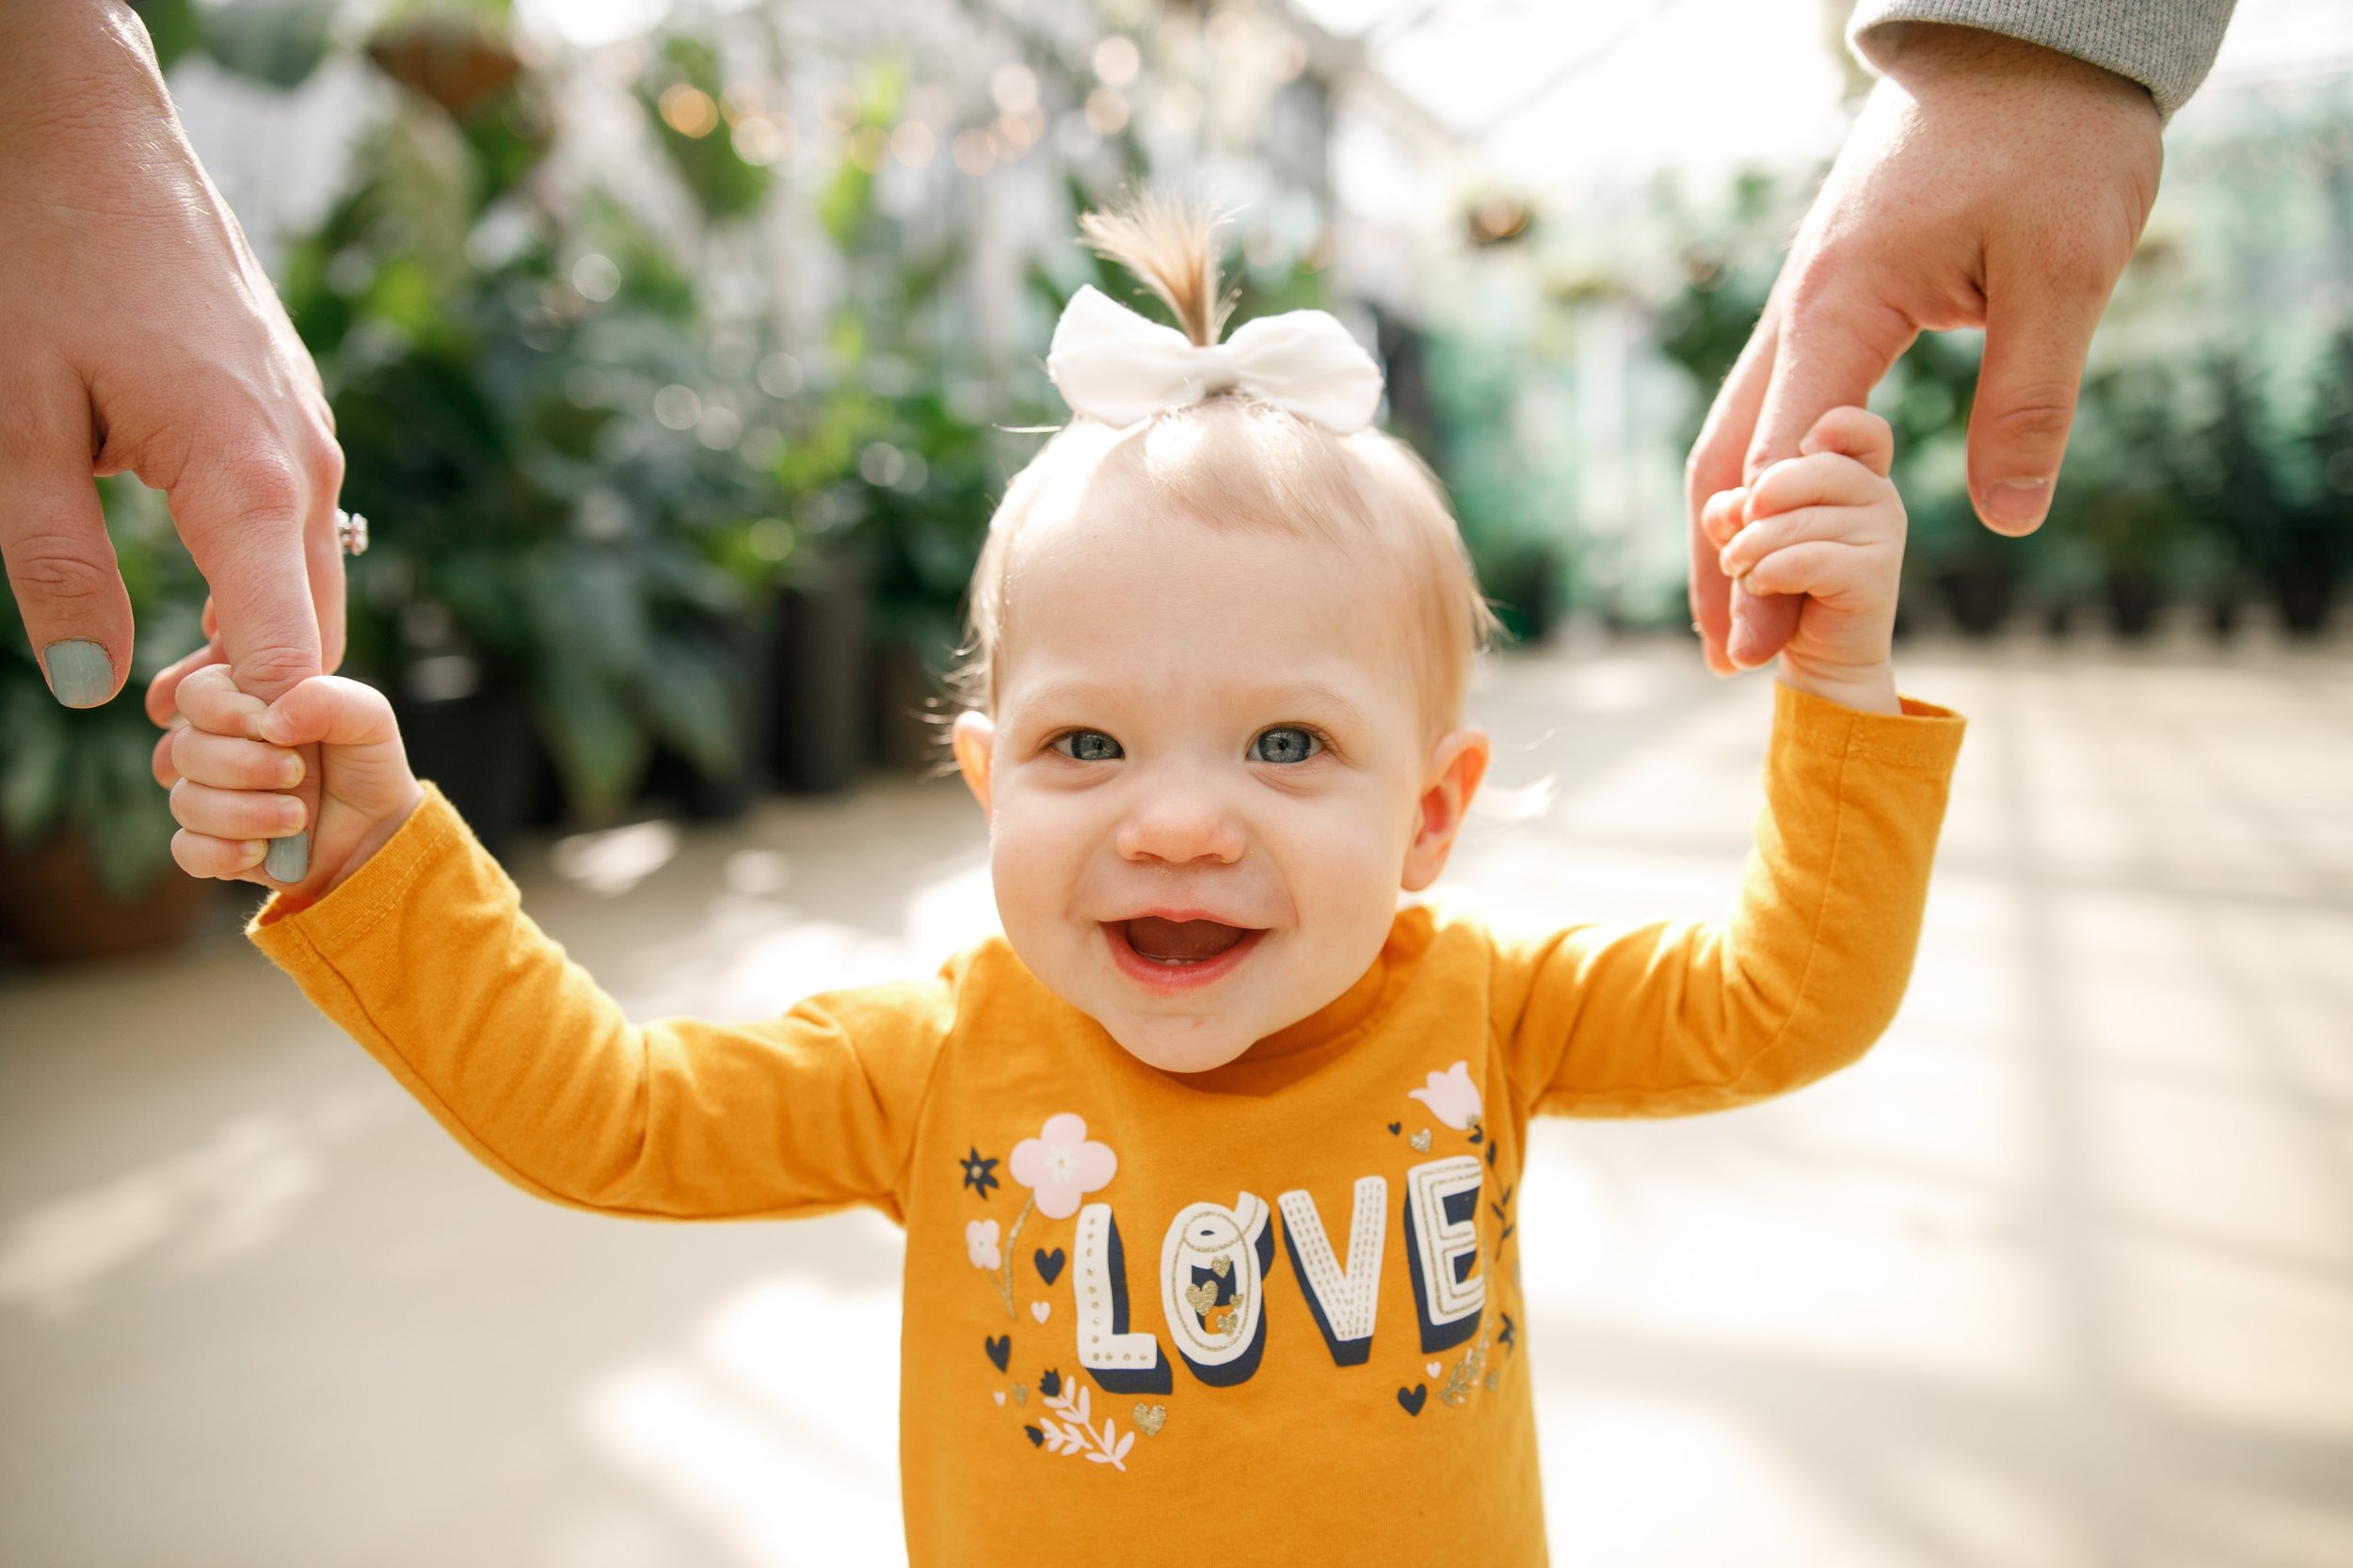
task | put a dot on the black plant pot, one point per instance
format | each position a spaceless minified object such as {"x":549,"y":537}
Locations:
{"x":2304,"y":602}
{"x":1979,"y":594}
{"x":480,"y":750}
{"x":909,"y":723}
{"x":751,"y":645}
{"x":2132,"y":602}
{"x":817,"y":693}
{"x":1527,"y":594}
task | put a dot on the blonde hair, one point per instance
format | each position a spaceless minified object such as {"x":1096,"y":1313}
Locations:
{"x":1231,"y":461}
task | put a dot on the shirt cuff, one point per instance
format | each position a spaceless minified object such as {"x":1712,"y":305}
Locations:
{"x":1923,"y":736}
{"x":433,"y":831}
{"x":2167,"y":46}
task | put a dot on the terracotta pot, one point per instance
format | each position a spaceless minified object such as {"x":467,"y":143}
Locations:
{"x":52,"y":905}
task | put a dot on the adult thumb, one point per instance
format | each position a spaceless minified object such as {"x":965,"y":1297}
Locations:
{"x":53,"y":536}
{"x":2036,"y":341}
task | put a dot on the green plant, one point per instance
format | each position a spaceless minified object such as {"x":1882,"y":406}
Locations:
{"x":2237,"y":474}
{"x":84,"y":773}
{"x":533,"y":418}
{"x":681,"y":91}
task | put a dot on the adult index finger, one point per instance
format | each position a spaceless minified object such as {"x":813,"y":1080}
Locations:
{"x":245,"y":521}
{"x":1713,"y":469}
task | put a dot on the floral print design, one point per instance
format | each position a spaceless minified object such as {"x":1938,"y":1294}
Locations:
{"x":1061,"y":1166}
{"x":980,"y":1172}
{"x":1451,"y":1097}
{"x":980,"y":1244}
{"x":1075,"y":1433}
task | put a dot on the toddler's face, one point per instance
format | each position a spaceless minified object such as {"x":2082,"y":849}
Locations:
{"x":1207,"y":776}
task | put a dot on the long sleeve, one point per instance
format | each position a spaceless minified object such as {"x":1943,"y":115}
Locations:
{"x":1669,"y":1018}
{"x":2168,"y":46}
{"x":426,"y":958}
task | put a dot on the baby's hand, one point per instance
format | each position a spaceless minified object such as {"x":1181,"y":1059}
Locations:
{"x":227,"y":764}
{"x":1827,"y":524}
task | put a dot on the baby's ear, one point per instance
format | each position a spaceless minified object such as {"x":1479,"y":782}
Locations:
{"x":1457,"y":763}
{"x":973,"y":737}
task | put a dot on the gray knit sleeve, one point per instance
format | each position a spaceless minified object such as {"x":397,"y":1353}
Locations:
{"x":2165,"y":45}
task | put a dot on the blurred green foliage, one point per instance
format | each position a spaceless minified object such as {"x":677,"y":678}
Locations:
{"x":533,"y":418}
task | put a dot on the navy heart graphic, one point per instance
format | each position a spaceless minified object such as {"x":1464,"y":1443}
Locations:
{"x":1412,"y":1397}
{"x":1000,"y":1349}
{"x":1048,"y":1264}
{"x":1395,"y":1127}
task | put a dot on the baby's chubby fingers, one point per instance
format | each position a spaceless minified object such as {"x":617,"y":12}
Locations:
{"x":332,"y":710}
{"x":1722,"y":513}
{"x":230,"y":860}
{"x":1855,"y":433}
{"x":208,"y":698}
{"x":1849,"y":525}
{"x":1821,"y":479}
{"x":1823,"y":568}
{"x":236,"y":813}
{"x":231,"y":761}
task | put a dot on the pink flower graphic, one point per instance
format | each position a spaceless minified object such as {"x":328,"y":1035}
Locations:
{"x":1451,"y":1097}
{"x":980,"y":1244}
{"x":1059,"y":1166}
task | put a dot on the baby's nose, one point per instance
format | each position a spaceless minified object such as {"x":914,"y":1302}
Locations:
{"x":1179,"y":829}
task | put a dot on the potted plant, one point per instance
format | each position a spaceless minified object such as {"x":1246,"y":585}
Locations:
{"x":2298,"y":549}
{"x":2325,"y":544}
{"x":532,"y":418}
{"x":2123,"y":494}
{"x":86,"y":865}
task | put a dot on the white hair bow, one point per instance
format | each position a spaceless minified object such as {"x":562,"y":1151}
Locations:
{"x":1114,"y":365}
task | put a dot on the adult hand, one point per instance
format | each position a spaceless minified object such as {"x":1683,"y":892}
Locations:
{"x":1988,"y":184}
{"x":140,"y":335}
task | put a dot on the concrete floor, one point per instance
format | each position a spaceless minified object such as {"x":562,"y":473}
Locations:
{"x":2061,"y":1275}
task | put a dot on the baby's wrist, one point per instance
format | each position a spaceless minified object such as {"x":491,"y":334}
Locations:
{"x":1868,"y":688}
{"x":376,"y":839}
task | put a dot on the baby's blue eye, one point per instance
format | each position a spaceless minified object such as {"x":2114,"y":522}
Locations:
{"x":1284,"y":744}
{"x":1088,"y":745}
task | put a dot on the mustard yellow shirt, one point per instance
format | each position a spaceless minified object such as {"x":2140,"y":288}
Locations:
{"x":1269,"y":1313}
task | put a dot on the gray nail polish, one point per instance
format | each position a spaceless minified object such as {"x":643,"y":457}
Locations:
{"x":80,"y":675}
{"x":289,"y":857}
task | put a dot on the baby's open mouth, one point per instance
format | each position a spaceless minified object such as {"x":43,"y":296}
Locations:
{"x":1172,"y":942}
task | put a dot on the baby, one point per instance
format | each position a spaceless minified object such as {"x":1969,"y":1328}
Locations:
{"x":1208,"y":1166}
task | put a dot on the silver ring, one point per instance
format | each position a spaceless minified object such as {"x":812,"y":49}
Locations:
{"x":351,"y":532}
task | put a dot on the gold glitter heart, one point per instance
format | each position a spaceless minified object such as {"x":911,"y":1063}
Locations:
{"x":1201,"y":1297}
{"x":1021,"y":1393}
{"x":1222,"y":1265}
{"x":1420,"y":1141}
{"x":1149,"y":1417}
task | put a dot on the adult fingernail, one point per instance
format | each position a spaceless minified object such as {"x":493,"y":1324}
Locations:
{"x":289,"y":857}
{"x":80,"y":674}
{"x":2018,"y":503}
